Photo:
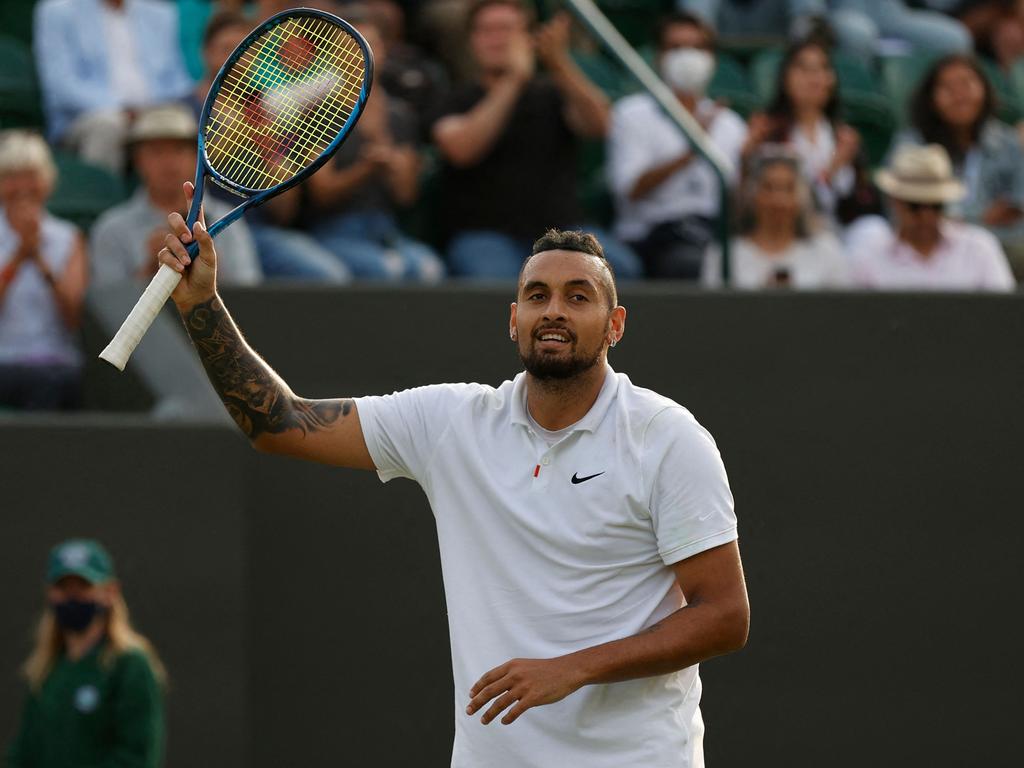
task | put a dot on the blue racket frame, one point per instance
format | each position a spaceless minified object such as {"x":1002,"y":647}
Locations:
{"x":255,"y":197}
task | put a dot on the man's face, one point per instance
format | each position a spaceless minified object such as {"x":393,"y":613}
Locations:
{"x":917,"y":221}
{"x":495,"y":31}
{"x":27,"y":188}
{"x":561,"y":320}
{"x":163,"y":164}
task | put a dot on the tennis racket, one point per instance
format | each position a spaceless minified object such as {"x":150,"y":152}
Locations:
{"x":281,"y":105}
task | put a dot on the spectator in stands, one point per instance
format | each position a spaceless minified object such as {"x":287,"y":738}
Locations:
{"x":924,"y":250}
{"x":283,"y":251}
{"x":354,"y":198}
{"x":94,"y":683}
{"x":407,"y":73}
{"x":43,"y":276}
{"x":997,"y":26}
{"x":780,"y":242}
{"x":125,"y":239}
{"x":804,"y":114}
{"x":955,"y":107}
{"x":99,"y":62}
{"x":509,"y":144}
{"x":858,"y":24}
{"x":667,"y":198}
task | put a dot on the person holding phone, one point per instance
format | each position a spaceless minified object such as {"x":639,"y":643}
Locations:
{"x":781,"y":243}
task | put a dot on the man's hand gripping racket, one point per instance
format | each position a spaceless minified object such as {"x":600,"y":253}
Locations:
{"x":281,"y":105}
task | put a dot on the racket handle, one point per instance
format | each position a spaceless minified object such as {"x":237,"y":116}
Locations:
{"x":141,"y":317}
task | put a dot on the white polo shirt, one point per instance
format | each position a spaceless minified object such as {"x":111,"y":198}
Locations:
{"x":967,"y":258}
{"x":548,"y":549}
{"x":642,"y":138}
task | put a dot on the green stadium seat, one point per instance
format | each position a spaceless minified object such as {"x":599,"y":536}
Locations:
{"x":592,"y":184}
{"x":16,"y":19}
{"x":872,"y":115}
{"x":1008,"y":98}
{"x":605,"y":73}
{"x":900,"y":78}
{"x":19,"y":90}
{"x":764,"y":71}
{"x":854,"y":74}
{"x":731,"y":86}
{"x":83,"y":191}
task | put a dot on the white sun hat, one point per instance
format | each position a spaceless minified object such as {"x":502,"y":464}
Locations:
{"x":920,"y":174}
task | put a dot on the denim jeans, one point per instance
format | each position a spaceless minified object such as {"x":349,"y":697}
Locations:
{"x":489,"y":255}
{"x":289,"y":253}
{"x":371,"y":245}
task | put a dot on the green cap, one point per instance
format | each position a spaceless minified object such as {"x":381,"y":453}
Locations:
{"x":80,"y":557}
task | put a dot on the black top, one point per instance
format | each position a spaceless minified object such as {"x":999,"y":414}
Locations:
{"x":527,"y":182}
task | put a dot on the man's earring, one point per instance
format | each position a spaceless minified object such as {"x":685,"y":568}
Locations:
{"x":512,"y":335}
{"x":613,"y":343}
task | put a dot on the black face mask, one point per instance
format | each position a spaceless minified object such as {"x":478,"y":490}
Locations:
{"x":75,"y":616}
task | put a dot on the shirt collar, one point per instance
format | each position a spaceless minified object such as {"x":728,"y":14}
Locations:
{"x":907,"y":252}
{"x":593,"y":417}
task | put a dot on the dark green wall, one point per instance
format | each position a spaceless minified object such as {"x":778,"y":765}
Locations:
{"x":873,"y":448}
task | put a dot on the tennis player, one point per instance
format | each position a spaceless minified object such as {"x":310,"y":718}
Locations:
{"x":586,"y":527}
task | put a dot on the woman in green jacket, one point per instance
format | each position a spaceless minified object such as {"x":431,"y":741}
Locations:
{"x":95,"y":696}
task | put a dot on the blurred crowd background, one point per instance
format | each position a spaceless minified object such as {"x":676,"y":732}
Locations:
{"x":873,"y":144}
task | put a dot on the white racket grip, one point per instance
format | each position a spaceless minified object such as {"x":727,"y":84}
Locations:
{"x":141,"y":317}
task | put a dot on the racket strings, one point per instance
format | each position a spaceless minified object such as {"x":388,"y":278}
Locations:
{"x":283,"y":102}
{"x":309,"y":142}
{"x":306,"y":145}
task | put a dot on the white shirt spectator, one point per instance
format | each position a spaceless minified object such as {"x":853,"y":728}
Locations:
{"x":548,"y":549}
{"x":126,"y":78}
{"x":120,"y":239}
{"x":809,"y":263}
{"x":642,"y":138}
{"x":816,"y":157}
{"x":967,"y":258}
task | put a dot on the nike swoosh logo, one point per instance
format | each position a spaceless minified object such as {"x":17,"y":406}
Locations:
{"x":578,"y":480}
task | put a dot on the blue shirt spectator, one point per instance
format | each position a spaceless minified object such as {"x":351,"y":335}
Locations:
{"x":98,"y":61}
{"x":954,"y":107}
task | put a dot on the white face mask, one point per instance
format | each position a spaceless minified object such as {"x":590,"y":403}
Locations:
{"x":687,"y":70}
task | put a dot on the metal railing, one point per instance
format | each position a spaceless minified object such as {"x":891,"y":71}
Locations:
{"x":620,"y":49}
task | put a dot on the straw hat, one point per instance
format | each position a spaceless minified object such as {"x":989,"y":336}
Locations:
{"x":167,"y":121}
{"x":920,"y":175}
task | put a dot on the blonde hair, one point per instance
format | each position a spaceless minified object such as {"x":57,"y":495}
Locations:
{"x":121,"y":637}
{"x":26,"y":151}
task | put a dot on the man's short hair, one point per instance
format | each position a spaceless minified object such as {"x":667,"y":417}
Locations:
{"x":683,"y":18}
{"x":581,"y":242}
{"x":477,"y":6}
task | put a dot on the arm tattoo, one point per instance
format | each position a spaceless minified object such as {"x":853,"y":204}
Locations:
{"x":256,"y":398}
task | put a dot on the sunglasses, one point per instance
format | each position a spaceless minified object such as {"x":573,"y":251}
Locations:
{"x":917,"y":207}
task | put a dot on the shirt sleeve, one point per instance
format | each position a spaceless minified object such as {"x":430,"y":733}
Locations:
{"x":691,"y":503}
{"x":111,"y":251}
{"x":24,"y":750}
{"x":238,"y":262}
{"x":629,"y":153}
{"x":138,"y":716}
{"x":711,"y":266}
{"x":996,"y":274}
{"x":402,"y":429}
{"x":836,"y":273}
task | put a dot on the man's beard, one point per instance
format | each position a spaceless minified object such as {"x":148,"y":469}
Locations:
{"x":552,"y":368}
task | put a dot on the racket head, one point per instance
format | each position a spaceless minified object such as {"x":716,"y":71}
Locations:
{"x":283,"y":102}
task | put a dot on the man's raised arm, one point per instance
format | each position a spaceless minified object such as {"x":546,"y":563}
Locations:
{"x":263,"y":406}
